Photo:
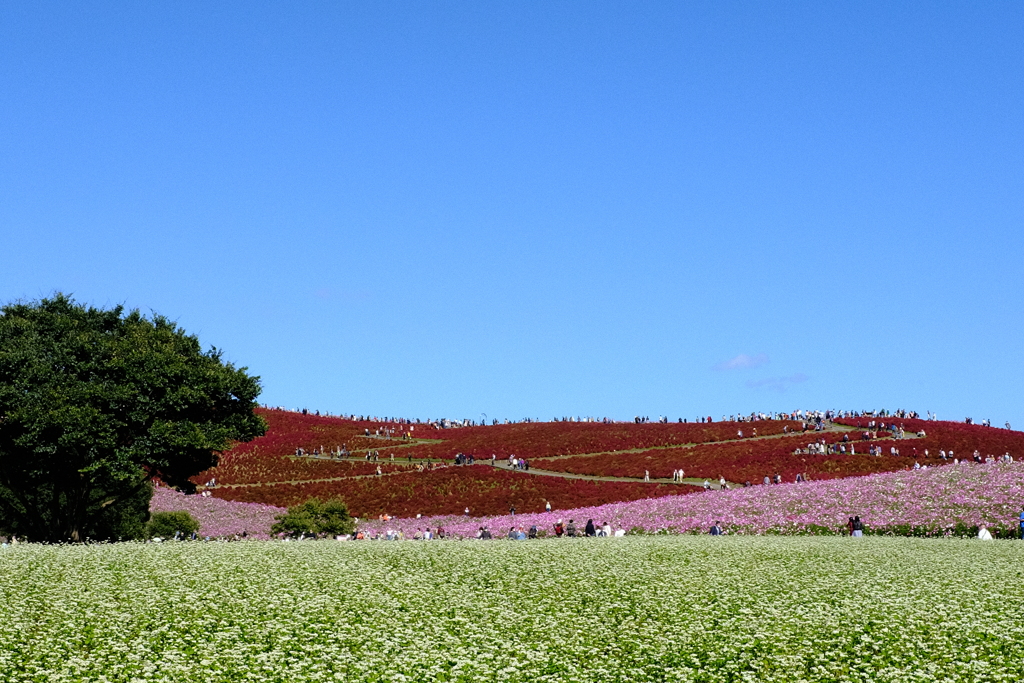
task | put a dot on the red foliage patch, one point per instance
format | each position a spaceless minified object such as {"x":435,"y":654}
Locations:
{"x":962,"y":439}
{"x":619,"y":449}
{"x":545,"y":439}
{"x":270,"y":458}
{"x":739,"y":461}
{"x":449,"y":490}
{"x":752,"y":460}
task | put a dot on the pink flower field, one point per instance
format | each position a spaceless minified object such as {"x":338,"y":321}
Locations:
{"x":934,"y":498}
{"x":218,"y":518}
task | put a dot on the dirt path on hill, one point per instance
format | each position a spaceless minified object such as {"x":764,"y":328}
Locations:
{"x":307,"y":481}
{"x":498,"y":465}
{"x":831,"y":430}
{"x":598,"y":477}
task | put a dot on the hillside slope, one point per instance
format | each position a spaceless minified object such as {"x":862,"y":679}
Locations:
{"x":582,"y":463}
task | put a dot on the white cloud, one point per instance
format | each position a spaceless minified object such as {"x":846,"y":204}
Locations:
{"x":743,"y":362}
{"x":779,"y":384}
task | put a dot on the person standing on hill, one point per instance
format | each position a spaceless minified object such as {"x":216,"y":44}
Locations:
{"x":858,"y":527}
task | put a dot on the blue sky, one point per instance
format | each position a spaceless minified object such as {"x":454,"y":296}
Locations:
{"x":450,"y":209}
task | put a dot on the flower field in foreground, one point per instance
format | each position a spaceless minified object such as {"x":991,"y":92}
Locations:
{"x":632,"y":609}
{"x":933,"y":499}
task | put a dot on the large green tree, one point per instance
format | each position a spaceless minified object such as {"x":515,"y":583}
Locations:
{"x":95,"y":404}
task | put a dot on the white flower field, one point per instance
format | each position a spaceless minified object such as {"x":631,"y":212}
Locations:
{"x":677,"y":608}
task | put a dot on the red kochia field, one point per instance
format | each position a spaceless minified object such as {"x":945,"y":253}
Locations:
{"x":265,"y":470}
{"x":448,"y":491}
{"x":270,"y":458}
{"x":737,"y":461}
{"x":752,"y":460}
{"x":544,"y":439}
{"x":288,"y":431}
{"x":962,"y":439}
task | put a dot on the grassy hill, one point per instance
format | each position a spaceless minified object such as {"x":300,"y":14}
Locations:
{"x":572,"y":464}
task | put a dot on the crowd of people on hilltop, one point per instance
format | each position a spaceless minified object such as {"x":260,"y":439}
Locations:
{"x":814,"y":416}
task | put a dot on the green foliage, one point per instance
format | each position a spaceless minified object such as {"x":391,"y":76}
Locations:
{"x":124,"y":519}
{"x":94,"y":404}
{"x":316,"y":518}
{"x":166,"y":524}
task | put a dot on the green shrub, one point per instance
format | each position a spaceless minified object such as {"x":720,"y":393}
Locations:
{"x":316,"y":518}
{"x":166,"y":524}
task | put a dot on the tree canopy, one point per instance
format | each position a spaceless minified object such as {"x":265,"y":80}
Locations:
{"x":94,"y":404}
